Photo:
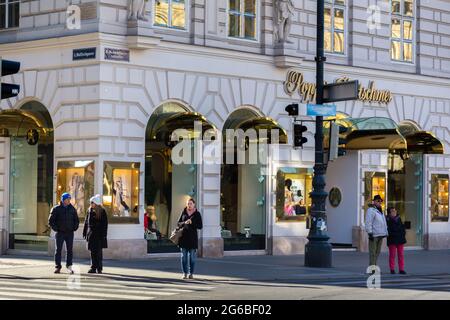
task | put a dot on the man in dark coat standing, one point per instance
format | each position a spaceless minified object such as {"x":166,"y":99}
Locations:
{"x":95,"y":232}
{"x":64,"y":221}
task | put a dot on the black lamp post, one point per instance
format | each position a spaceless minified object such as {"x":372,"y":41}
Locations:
{"x":318,"y":250}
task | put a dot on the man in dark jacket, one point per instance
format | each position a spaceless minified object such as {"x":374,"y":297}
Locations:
{"x":64,"y":221}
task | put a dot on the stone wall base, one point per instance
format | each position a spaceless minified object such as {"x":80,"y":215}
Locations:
{"x":117,"y":249}
{"x":438,"y":241}
{"x":210,"y":247}
{"x":288,"y":245}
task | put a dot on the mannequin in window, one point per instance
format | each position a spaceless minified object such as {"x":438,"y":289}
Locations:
{"x":119,"y":192}
{"x":288,"y":198}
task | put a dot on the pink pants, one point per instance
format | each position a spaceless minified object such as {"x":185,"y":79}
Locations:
{"x":393,"y":248}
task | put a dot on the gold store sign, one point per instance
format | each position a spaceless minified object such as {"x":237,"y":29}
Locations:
{"x":307,"y":90}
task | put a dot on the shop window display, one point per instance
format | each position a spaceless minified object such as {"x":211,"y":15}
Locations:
{"x":375,"y":183}
{"x":439,"y":197}
{"x":292,"y":194}
{"x":76,"y":178}
{"x":121,"y":191}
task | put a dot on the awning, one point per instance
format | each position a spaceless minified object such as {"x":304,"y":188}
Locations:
{"x":425,"y":142}
{"x":384,"y":133}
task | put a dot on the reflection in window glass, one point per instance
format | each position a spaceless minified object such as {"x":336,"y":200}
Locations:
{"x":408,"y":7}
{"x":250,"y":26}
{"x":242,"y":19}
{"x":395,"y":6}
{"x":339,"y":19}
{"x":396,"y":29}
{"x":250,"y":6}
{"x":178,"y":13}
{"x":327,"y":40}
{"x":234,"y":5}
{"x":407,"y":30}
{"x":439,"y":197}
{"x":407,"y":51}
{"x":395,"y":50}
{"x":327,"y":18}
{"x":339,"y":42}
{"x":170,"y":13}
{"x":234,"y":26}
{"x":162,"y":12}
{"x":292,"y":194}
{"x":334,"y":20}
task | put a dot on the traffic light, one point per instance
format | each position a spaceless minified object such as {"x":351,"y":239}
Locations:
{"x":299,"y":139}
{"x":292,"y":109}
{"x":337,"y":141}
{"x":9,"y":90}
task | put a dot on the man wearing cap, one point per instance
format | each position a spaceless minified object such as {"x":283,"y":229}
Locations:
{"x":376,"y":228}
{"x":64,"y":221}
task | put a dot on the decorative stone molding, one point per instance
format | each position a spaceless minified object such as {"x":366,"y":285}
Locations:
{"x":287,"y":61}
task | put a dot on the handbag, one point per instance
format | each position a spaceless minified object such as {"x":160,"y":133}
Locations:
{"x":176,"y":235}
{"x":148,"y":235}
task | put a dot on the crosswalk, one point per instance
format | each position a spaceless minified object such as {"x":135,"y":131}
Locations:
{"x":94,"y":288}
{"x":426,"y":282}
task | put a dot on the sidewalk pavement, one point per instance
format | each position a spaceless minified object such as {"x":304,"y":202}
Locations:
{"x":235,"y":268}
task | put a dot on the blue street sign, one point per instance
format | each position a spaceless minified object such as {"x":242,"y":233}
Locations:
{"x":324,"y":110}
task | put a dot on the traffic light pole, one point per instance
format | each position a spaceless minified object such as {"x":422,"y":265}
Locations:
{"x":318,"y":250}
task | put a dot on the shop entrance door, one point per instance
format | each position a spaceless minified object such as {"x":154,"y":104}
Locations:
{"x":405,"y":193}
{"x":24,"y":228}
{"x":4,"y":178}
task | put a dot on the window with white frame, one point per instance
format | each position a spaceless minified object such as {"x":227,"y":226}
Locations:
{"x":334,"y":33}
{"x":402,"y":30}
{"x":170,"y":13}
{"x":9,"y":14}
{"x":242,"y":19}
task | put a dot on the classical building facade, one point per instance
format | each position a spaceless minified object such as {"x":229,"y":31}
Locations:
{"x":106,"y":83}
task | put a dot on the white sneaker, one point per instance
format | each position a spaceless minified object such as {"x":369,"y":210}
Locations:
{"x":69,"y":269}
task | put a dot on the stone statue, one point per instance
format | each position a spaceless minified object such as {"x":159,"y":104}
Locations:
{"x":283,"y":11}
{"x":136,"y":10}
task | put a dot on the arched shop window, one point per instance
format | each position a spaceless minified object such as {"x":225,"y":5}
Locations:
{"x":168,"y":185}
{"x":243,"y":185}
{"x":31,"y":139}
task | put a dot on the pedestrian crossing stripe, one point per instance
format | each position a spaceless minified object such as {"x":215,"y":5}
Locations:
{"x":91,"y":289}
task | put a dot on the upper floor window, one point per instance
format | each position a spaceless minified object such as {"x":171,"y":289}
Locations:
{"x":9,"y":13}
{"x":334,"y":19}
{"x":170,"y":13}
{"x":402,"y":30}
{"x":242,"y":19}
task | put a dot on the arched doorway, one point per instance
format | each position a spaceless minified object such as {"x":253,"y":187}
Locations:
{"x":168,"y":185}
{"x":244,"y":208}
{"x":28,"y":131}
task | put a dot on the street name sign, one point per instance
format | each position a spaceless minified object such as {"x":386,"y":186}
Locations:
{"x":324,"y":110}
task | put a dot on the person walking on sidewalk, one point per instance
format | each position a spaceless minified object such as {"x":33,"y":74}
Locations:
{"x":376,"y":228}
{"x":396,"y":240}
{"x":190,"y":220}
{"x":64,"y":221}
{"x":95,"y":232}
